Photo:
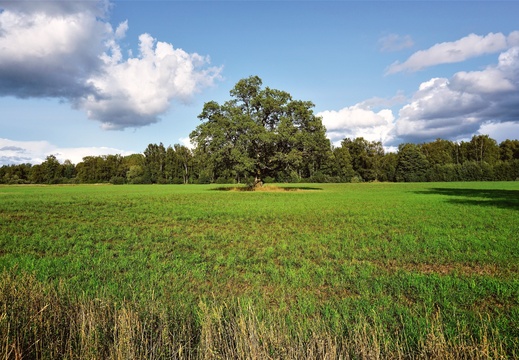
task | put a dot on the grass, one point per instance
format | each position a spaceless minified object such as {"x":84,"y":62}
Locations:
{"x":349,"y":271}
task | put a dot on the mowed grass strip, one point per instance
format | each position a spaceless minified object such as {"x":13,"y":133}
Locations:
{"x":397,"y":256}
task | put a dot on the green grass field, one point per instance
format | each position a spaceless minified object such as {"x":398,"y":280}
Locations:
{"x":384,"y":270}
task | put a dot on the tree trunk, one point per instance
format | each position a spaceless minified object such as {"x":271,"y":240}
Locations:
{"x":257,"y":183}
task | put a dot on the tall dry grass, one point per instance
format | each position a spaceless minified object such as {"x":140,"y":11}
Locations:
{"x":38,"y":321}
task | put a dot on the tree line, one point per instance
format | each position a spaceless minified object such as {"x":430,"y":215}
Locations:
{"x":355,"y":160}
{"x":263,"y":135}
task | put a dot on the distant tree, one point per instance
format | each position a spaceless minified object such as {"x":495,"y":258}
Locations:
{"x":100,"y":169}
{"x":506,"y":170}
{"x":36,"y":174}
{"x":463,"y":152}
{"x":133,"y":159}
{"x":171,"y":171}
{"x":412,"y":165}
{"x":487,"y":171}
{"x":509,"y":150}
{"x":178,"y":164}
{"x":91,"y":170}
{"x":15,"y":174}
{"x":114,"y":166}
{"x":130,"y":160}
{"x":342,"y":168}
{"x":471,"y":171}
{"x":135,"y":174}
{"x":451,"y":172}
{"x":69,"y":170}
{"x":439,"y":152}
{"x":203,"y":169}
{"x":52,"y":170}
{"x":184,"y":159}
{"x":366,"y":157}
{"x":388,"y":165}
{"x":155,"y":163}
{"x":482,"y":148}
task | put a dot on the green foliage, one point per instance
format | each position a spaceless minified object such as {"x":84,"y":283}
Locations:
{"x":343,"y":168}
{"x":269,"y":179}
{"x":260,"y":133}
{"x":509,"y":150}
{"x":471,"y":171}
{"x":412,"y":165}
{"x":117,"y":180}
{"x":294,"y":149}
{"x":356,"y":179}
{"x":154,"y":162}
{"x":51,"y":170}
{"x":366,"y":157}
{"x":439,"y":152}
{"x":135,"y":174}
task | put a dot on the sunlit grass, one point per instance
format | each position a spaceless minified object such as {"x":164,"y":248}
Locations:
{"x":394,"y":257}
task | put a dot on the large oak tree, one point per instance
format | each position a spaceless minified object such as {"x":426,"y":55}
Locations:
{"x":261,"y":132}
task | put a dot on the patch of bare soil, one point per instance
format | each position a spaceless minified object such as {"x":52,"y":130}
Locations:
{"x":448,"y":269}
{"x":264,"y":188}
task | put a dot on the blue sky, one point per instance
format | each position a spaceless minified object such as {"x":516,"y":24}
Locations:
{"x":82,"y":78}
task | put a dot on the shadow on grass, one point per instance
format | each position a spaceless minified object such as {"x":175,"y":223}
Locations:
{"x":507,"y":199}
{"x":266,"y":188}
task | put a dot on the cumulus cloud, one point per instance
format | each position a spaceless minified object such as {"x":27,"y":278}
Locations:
{"x":45,"y":55}
{"x":456,"y":108}
{"x":357,"y":121}
{"x":66,"y":50}
{"x":186,"y":141}
{"x":395,"y":42}
{"x":57,"y":7}
{"x":134,"y":92}
{"x":463,"y":105}
{"x":500,"y":131}
{"x":460,"y":50}
{"x":19,"y":152}
{"x":35,"y":152}
{"x":371,"y":119}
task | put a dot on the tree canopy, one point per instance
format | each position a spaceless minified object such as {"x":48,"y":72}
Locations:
{"x":261,"y":132}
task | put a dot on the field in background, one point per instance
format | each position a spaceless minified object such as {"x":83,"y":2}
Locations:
{"x":424,"y":270}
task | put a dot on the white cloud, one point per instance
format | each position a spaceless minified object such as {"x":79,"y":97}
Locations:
{"x":45,"y":55}
{"x":19,"y":152}
{"x":466,"y":104}
{"x":456,"y":108}
{"x":35,"y":152}
{"x":66,"y":50}
{"x":460,"y":50}
{"x":500,"y":131}
{"x":436,"y":99}
{"x":187,"y":143}
{"x":120,"y":32}
{"x":358,"y":121}
{"x":57,"y":7}
{"x":490,"y":81}
{"x":136,"y":91}
{"x":395,"y":42}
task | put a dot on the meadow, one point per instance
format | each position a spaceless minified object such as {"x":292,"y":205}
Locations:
{"x":331,"y":271}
